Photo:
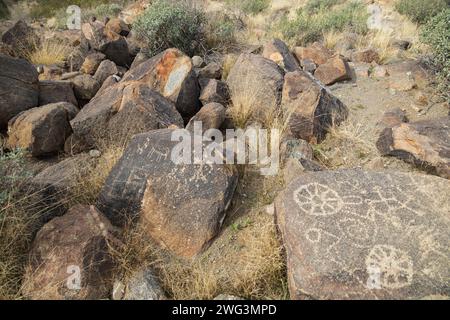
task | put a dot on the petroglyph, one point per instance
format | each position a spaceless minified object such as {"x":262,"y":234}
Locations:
{"x":357,"y":234}
{"x":395,"y":266}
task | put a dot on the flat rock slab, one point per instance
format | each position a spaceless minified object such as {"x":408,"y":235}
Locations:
{"x":182,"y":206}
{"x":19,"y":88}
{"x":353,"y":234}
{"x":425,"y":143}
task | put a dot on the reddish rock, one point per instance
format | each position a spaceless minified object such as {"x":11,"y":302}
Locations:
{"x":317,"y":53}
{"x":115,"y":27}
{"x":311,"y":108}
{"x":181,"y":206}
{"x":214,"y":91}
{"x":424,"y":143}
{"x":69,"y":258}
{"x":392,"y":118}
{"x":91,"y":62}
{"x":334,"y":70}
{"x":41,"y":130}
{"x":277,"y":51}
{"x":366,"y":56}
{"x":211,"y":116}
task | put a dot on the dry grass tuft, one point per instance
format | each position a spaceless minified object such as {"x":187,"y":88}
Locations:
{"x":346,"y":146}
{"x":48,"y":52}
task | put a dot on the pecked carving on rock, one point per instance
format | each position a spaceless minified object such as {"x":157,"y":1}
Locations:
{"x":353,"y":234}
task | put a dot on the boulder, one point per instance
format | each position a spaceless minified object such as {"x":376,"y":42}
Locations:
{"x":109,"y":82}
{"x":353,"y":234}
{"x":114,"y":46}
{"x":425,"y":143}
{"x":170,"y":73}
{"x":21,"y":38}
{"x":85,"y":86}
{"x":69,"y":258}
{"x":122,"y":111}
{"x":198,"y":62}
{"x":366,"y":56}
{"x":379,"y":72}
{"x":277,"y":51}
{"x":213,"y":90}
{"x":310,"y":107}
{"x":53,"y":185}
{"x":115,"y":27}
{"x":117,"y":51}
{"x":42,"y":130}
{"x":211,"y":116}
{"x":334,"y":70}
{"x":91,"y":62}
{"x":317,"y":53}
{"x":19,"y":88}
{"x":257,"y":81}
{"x":410,"y":69}
{"x":106,"y":69}
{"x":181,"y":206}
{"x":143,"y":285}
{"x":56,"y":91}
{"x":212,"y":71}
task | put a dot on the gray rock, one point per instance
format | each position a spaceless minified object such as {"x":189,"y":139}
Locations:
{"x":198,"y":62}
{"x":353,"y":234}
{"x":143,"y":285}
{"x":19,"y":88}
{"x":21,"y":38}
{"x":181,"y":206}
{"x":85,"y":86}
{"x":56,"y":91}
{"x":211,"y":116}
{"x":225,"y":297}
{"x":106,"y":69}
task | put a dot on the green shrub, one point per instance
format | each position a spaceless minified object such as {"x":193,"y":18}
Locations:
{"x":317,"y":5}
{"x":421,"y":11}
{"x":436,"y":33}
{"x":309,"y":27}
{"x":48,"y":8}
{"x":4,"y":13}
{"x":250,"y":6}
{"x":108,"y":10}
{"x":165,"y":25}
{"x":220,"y":31}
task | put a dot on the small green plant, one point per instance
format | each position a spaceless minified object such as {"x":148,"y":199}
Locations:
{"x":221,"y":31}
{"x":48,"y":8}
{"x":420,"y":11}
{"x":436,"y":33}
{"x":4,"y":12}
{"x":108,"y":10}
{"x":308,"y":27}
{"x":250,"y":6}
{"x":317,"y":5}
{"x":166,"y":25}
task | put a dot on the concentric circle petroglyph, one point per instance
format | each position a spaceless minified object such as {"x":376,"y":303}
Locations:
{"x":395,"y":266}
{"x":318,"y":200}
